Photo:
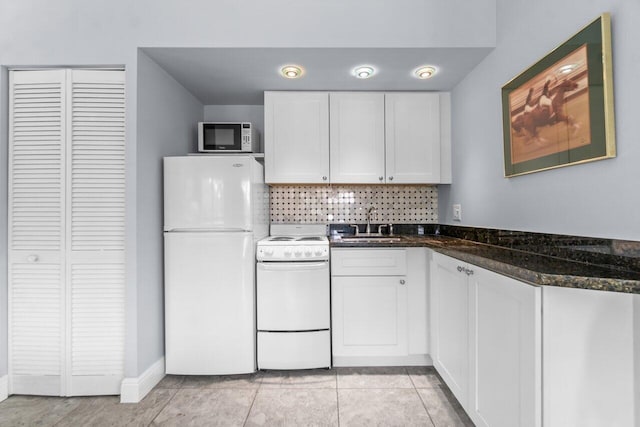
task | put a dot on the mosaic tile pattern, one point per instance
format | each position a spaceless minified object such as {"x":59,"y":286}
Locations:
{"x":397,"y":204}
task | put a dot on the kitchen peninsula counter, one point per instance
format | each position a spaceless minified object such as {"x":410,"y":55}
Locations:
{"x":530,"y":267}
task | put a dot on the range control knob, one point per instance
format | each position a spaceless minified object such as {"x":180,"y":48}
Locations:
{"x":287,"y":252}
{"x":298,"y":253}
{"x":318,"y":252}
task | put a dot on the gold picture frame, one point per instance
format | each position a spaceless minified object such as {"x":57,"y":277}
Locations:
{"x":559,"y":111}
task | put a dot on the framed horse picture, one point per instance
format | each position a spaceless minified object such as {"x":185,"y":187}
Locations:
{"x":559,"y":111}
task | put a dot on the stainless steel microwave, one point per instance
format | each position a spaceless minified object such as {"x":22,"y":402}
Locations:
{"x":229,"y":137}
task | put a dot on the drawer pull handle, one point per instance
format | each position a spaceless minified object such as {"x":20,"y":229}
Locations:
{"x":402,"y":281}
{"x":465,"y":270}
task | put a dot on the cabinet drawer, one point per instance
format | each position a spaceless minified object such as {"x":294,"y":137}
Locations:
{"x":294,"y":350}
{"x":368,"y":262}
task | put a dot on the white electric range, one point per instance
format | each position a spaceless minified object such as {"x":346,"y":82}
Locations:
{"x":293,"y":298}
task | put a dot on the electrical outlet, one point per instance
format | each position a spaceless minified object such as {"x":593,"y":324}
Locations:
{"x":457,"y":212}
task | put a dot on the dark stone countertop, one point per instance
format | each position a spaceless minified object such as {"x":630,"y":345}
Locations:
{"x":533,"y":268}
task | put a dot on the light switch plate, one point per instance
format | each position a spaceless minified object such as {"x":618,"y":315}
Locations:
{"x":457,"y":212}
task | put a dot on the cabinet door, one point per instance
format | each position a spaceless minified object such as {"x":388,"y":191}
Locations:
{"x":296,"y":144}
{"x":589,"y":357}
{"x":412,"y":138}
{"x":357,"y":137}
{"x":450,"y":324}
{"x":506,"y":354}
{"x":369,"y":315}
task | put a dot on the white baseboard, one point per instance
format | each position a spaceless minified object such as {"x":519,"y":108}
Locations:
{"x":4,"y":387}
{"x":411,"y":360}
{"x":133,"y":390}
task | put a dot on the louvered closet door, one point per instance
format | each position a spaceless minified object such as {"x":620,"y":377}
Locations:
{"x":66,"y":232}
{"x":95,"y":208}
{"x":36,"y":231}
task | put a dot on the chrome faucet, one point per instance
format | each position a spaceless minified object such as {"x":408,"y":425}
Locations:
{"x":370,"y":211}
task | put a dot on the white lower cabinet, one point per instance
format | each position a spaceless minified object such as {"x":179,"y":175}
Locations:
{"x":371,"y":314}
{"x":505,"y":356}
{"x":379,"y":306}
{"x":486,"y":342}
{"x":590,"y":359}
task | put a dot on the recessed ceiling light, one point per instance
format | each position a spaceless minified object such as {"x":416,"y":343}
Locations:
{"x":363,"y":72}
{"x":425,"y":72}
{"x":291,"y":71}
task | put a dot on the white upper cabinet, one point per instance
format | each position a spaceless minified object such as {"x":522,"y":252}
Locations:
{"x":357,"y":137}
{"x":375,"y":137}
{"x":413,"y":138}
{"x":296,"y":142}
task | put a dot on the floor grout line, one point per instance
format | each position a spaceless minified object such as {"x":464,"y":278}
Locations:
{"x":337,"y":401}
{"x":255,"y":396}
{"x":424,"y":405}
{"x":175,"y":391}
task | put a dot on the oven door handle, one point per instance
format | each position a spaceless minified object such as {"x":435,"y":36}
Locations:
{"x":304,"y":265}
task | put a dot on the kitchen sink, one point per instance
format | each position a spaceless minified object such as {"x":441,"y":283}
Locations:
{"x":370,"y":239}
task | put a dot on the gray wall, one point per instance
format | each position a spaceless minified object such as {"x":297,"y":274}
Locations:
{"x":596,"y":199}
{"x":41,"y":34}
{"x":74,"y":32}
{"x":316,"y":23}
{"x":167,"y":117}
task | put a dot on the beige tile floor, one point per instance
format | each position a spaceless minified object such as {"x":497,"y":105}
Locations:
{"x":395,"y":396}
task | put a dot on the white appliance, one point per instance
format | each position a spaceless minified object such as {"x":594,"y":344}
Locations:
{"x":215,"y":209}
{"x":227,"y":137}
{"x":293,"y":298}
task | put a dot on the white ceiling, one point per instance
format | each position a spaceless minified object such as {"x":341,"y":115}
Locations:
{"x":239,"y":76}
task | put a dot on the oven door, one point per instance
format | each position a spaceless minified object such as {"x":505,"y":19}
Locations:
{"x":293,"y":296}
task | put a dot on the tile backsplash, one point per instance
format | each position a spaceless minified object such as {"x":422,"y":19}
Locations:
{"x":397,"y":204}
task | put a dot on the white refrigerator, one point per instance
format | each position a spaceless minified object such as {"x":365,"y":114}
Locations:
{"x":215,"y":210}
